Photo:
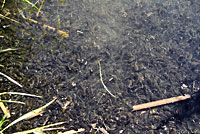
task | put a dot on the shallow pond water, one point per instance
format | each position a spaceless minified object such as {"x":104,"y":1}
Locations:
{"x":148,"y":51}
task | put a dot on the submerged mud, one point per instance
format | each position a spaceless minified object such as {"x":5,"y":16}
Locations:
{"x":148,"y":51}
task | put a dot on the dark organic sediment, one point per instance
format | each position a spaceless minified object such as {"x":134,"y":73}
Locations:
{"x":149,"y":50}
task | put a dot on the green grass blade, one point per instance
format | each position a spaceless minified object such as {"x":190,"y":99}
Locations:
{"x":3,"y":120}
{"x":29,"y":114}
{"x":30,"y":4}
{"x":4,"y":1}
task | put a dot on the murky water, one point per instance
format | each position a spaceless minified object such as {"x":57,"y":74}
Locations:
{"x":148,"y":50}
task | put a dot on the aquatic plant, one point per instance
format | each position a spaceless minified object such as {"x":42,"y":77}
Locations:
{"x":30,"y":3}
{"x":3,"y":120}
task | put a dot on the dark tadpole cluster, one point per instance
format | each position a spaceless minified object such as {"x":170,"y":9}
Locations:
{"x":148,"y":51}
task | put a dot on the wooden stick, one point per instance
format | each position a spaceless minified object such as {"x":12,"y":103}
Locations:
{"x":160,"y":102}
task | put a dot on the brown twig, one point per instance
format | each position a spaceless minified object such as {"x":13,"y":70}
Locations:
{"x":60,"y":32}
{"x":160,"y":102}
{"x":64,"y":34}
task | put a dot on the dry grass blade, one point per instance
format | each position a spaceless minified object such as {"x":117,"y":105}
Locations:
{"x":9,"y":19}
{"x":52,"y":129}
{"x":39,"y":128}
{"x":29,"y":114}
{"x":103,"y":130}
{"x":40,"y":8}
{"x":73,"y":131}
{"x":60,"y":32}
{"x":18,"y":93}
{"x":8,"y":49}
{"x":10,"y":79}
{"x":10,"y":101}
{"x":5,"y":110}
{"x":101,"y":79}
